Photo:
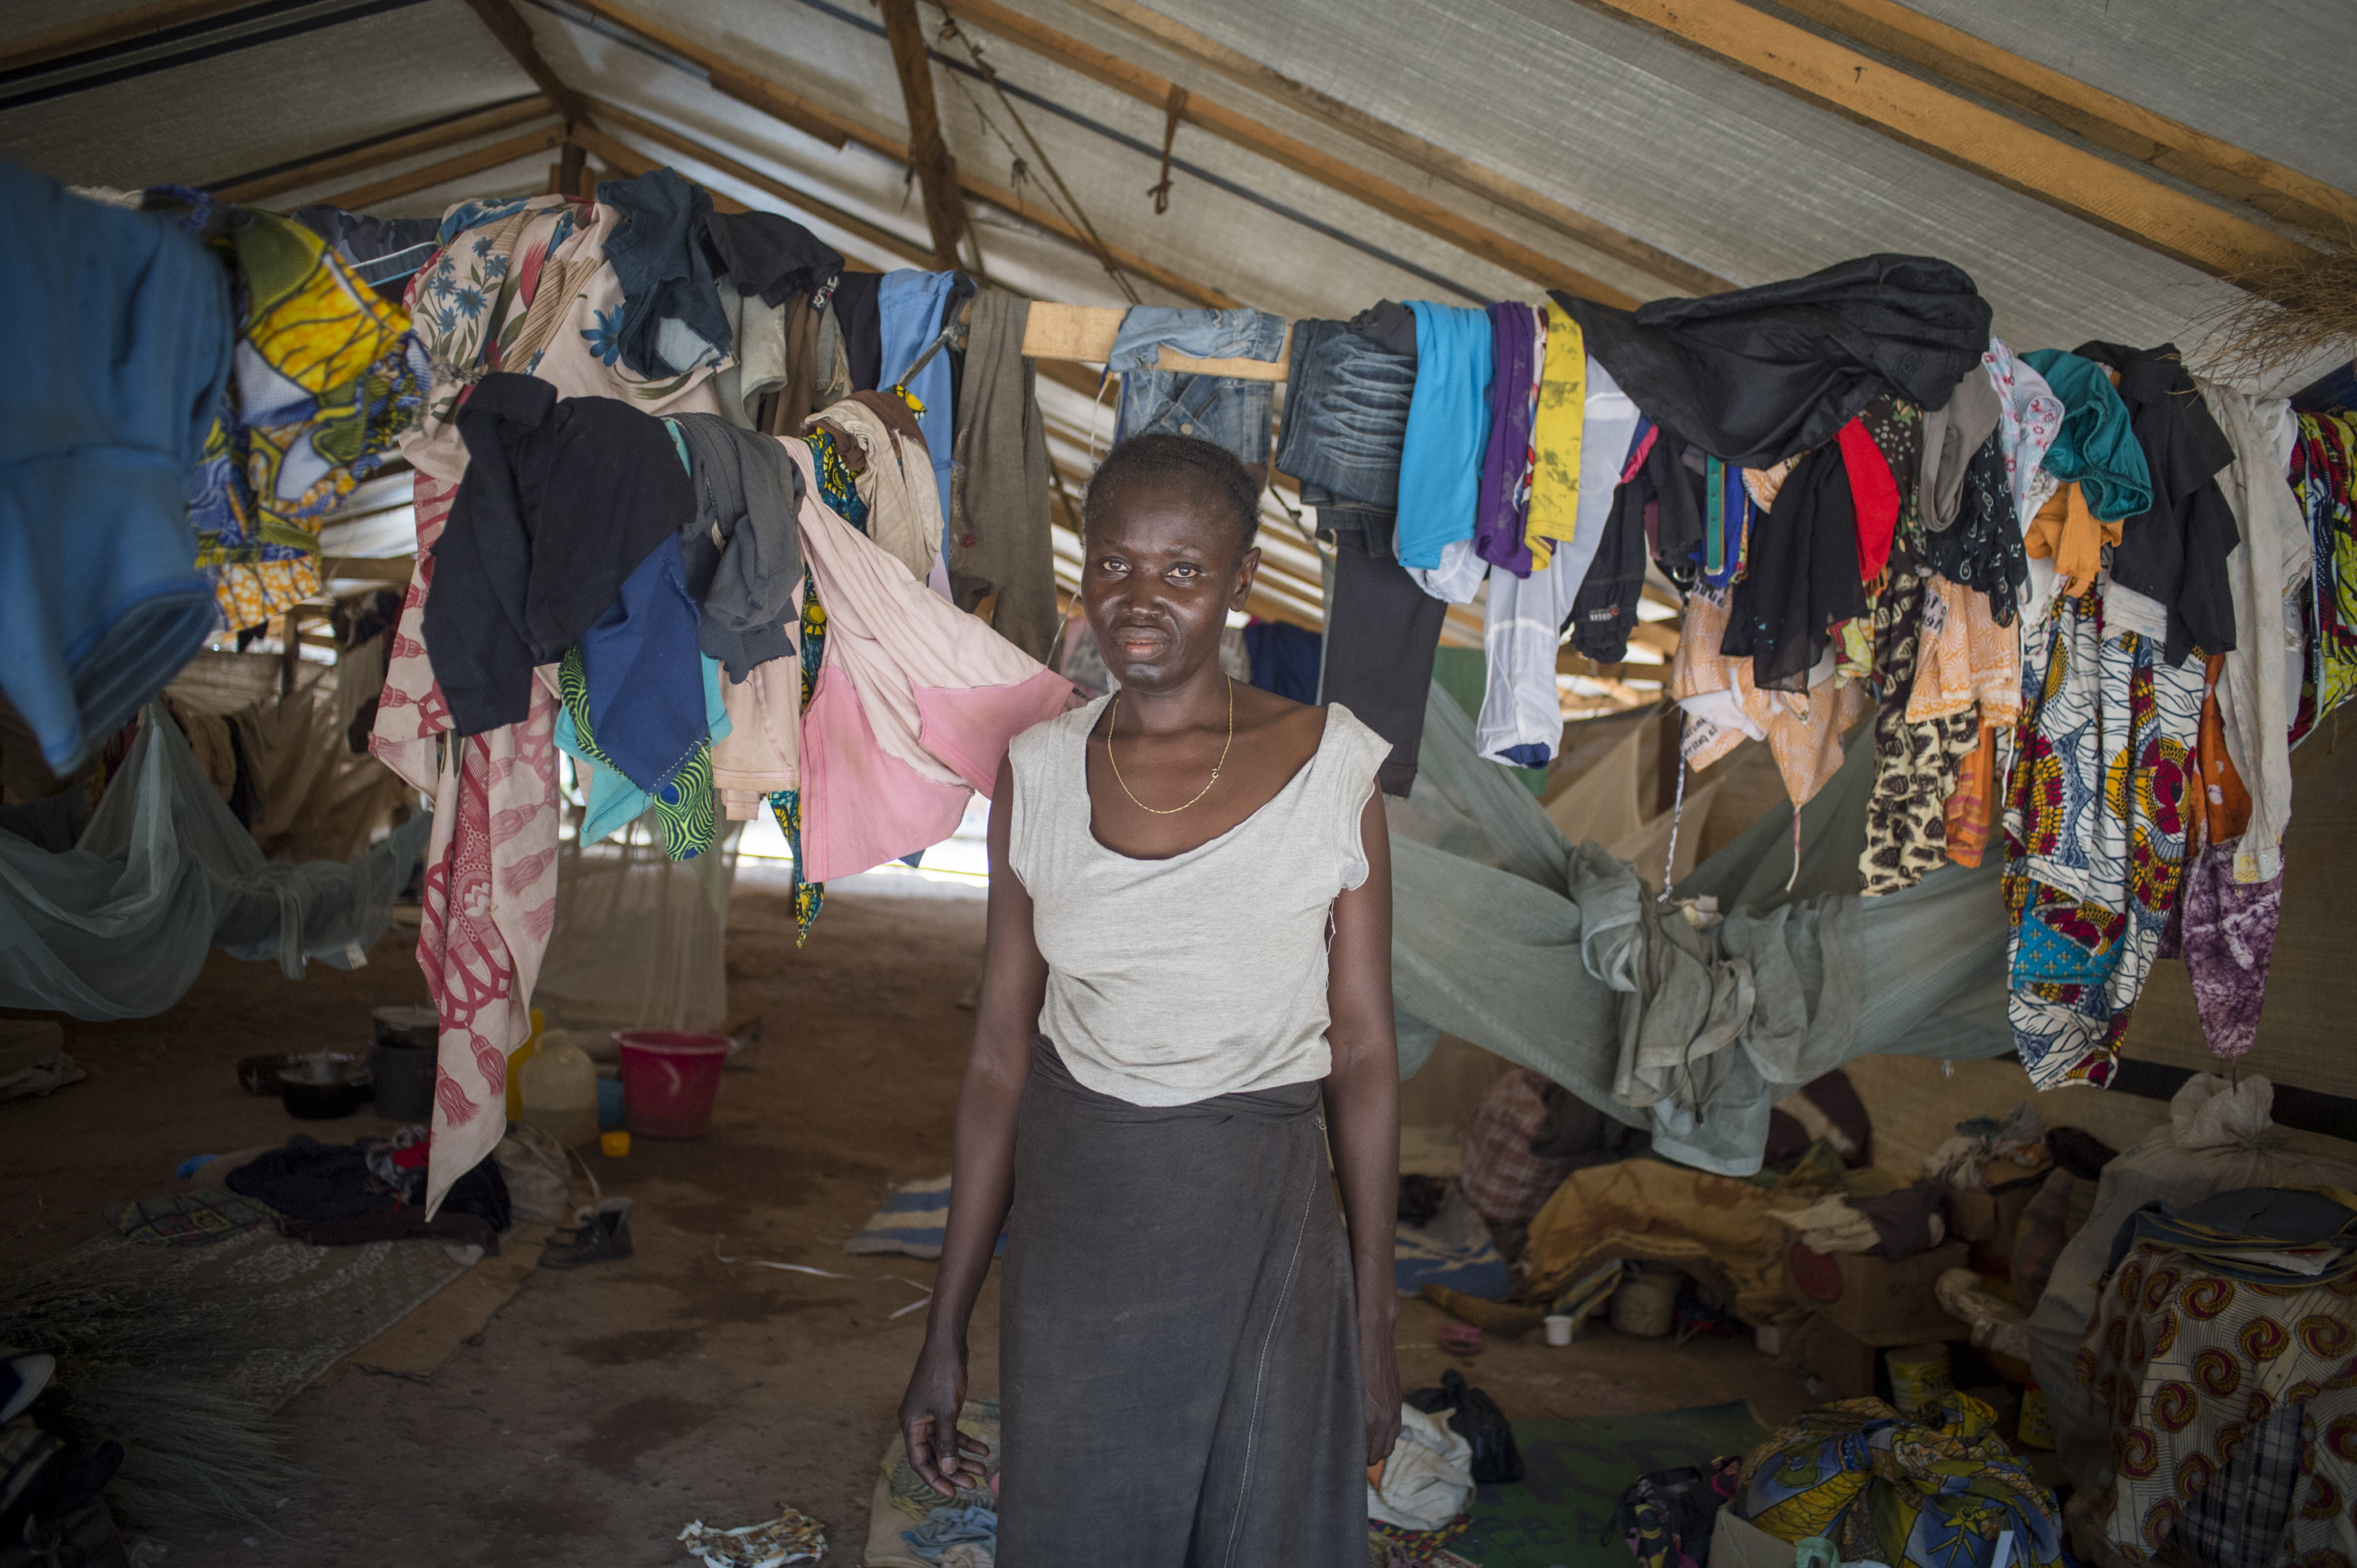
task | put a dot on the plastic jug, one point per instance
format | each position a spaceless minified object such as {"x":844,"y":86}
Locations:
{"x":523,"y":1053}
{"x":560,"y":1090}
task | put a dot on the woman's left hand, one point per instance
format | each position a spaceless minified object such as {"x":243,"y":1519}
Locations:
{"x":1379,"y":1379}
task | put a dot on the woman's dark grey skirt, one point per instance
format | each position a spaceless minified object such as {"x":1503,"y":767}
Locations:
{"x":1178,"y":1347}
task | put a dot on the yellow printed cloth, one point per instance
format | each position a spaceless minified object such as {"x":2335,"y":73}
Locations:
{"x":1554,"y":438}
{"x":321,"y":391}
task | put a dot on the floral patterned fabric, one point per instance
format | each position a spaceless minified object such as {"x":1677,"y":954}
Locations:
{"x":2323,"y":462}
{"x":1937,"y":1488}
{"x":2095,"y":832}
{"x":2028,"y":418}
{"x":319,"y":391}
{"x":2211,"y":1382}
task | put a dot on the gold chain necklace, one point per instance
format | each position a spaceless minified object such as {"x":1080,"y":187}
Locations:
{"x":1113,"y":717}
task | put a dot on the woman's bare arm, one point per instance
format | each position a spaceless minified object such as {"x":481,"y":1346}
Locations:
{"x":1362,"y":1114}
{"x":1014,"y":984}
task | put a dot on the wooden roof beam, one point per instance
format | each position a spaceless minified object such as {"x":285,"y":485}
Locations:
{"x":1475,"y":180}
{"x":114,"y":27}
{"x":335,"y":165}
{"x":937,"y":174}
{"x":2195,"y":156}
{"x":783,"y":104}
{"x":1417,"y":211}
{"x":515,"y":37}
{"x":1959,"y":132}
{"x":457,"y":168}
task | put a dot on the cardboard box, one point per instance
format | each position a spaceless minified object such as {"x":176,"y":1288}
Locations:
{"x":1876,"y":1302}
{"x":1993,"y":1214}
{"x":1740,"y":1543}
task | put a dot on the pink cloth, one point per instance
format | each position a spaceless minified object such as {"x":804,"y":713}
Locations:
{"x":915,"y":704}
{"x":491,"y":871}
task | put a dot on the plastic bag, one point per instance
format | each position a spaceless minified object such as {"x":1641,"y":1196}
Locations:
{"x":1427,"y":1479}
{"x":1482,"y":1425}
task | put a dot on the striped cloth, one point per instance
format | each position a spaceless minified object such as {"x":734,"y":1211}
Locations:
{"x":911,"y":1222}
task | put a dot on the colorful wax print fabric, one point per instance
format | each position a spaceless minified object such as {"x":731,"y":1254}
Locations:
{"x":2234,"y":1414}
{"x":320,"y":390}
{"x":2095,"y":835}
{"x":1937,"y":1488}
{"x":2323,"y":463}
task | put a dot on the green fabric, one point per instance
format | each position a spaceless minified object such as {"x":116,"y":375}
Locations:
{"x":2096,"y":445}
{"x":1574,"y":1471}
{"x":1556,"y":958}
{"x":1464,"y":675}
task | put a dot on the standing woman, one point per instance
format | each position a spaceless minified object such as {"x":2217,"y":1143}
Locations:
{"x":1186,"y":1000}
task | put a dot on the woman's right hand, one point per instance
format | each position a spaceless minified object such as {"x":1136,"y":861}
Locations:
{"x":942,"y":1455}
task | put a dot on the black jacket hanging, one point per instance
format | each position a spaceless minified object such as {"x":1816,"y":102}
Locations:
{"x":1802,"y":577}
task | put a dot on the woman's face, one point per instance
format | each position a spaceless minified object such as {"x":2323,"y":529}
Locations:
{"x":1160,"y":572}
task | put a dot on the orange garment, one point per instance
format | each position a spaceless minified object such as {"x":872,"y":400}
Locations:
{"x":2067,"y":534}
{"x":1971,"y":803}
{"x":2225,"y":805}
{"x":1804,"y":731}
{"x":1966,"y":658}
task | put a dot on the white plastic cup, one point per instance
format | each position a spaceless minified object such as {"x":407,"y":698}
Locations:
{"x":1558,"y":1328}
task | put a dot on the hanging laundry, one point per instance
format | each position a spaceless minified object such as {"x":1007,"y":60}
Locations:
{"x":2323,"y":470}
{"x":382,"y":253}
{"x":1982,"y":548}
{"x":2070,"y":535}
{"x":2175,"y":553}
{"x":1522,"y":710}
{"x":2096,"y":445}
{"x":1346,"y":407}
{"x":1951,"y":436}
{"x":1803,"y":730}
{"x":670,"y":321}
{"x":683,"y":802}
{"x":2028,"y":418}
{"x":2094,"y":831}
{"x":1916,"y":763}
{"x":563,"y":499}
{"x":1381,"y":630}
{"x":1605,"y":611}
{"x":2265,"y":574}
{"x":1447,"y":424}
{"x":644,"y":686}
{"x":860,"y":325}
{"x":786,"y":805}
{"x":120,"y":329}
{"x":767,"y":254}
{"x":741,"y":559}
{"x":1760,"y":374}
{"x":1502,"y":499}
{"x":1667,"y":490}
{"x":913,"y":707}
{"x":1874,"y":498}
{"x":909,"y":309}
{"x":1284,"y":659}
{"x":999,"y":535}
{"x":321,"y":392}
{"x":1558,"y":435}
{"x":876,"y":439}
{"x":756,"y":752}
{"x":1804,"y":579}
{"x":1223,"y":410}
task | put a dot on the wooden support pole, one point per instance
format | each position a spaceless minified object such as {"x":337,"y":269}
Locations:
{"x":1959,"y":132}
{"x":458,"y":168}
{"x":335,"y":165}
{"x":515,"y":37}
{"x":572,"y":170}
{"x":936,"y":169}
{"x":1476,"y":179}
{"x":1409,"y":206}
{"x":2195,"y":156}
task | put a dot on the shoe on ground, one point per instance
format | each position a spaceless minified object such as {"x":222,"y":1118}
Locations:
{"x":601,"y":1233}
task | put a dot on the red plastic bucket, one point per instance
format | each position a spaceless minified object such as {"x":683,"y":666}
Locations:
{"x":669,"y":1079}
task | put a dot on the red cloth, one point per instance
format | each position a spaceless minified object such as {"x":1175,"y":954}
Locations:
{"x":1875,"y":495}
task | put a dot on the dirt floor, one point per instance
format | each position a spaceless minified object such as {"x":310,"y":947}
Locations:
{"x":599,"y":1411}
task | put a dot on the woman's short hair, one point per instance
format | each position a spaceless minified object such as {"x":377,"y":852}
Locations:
{"x":1212,"y":471}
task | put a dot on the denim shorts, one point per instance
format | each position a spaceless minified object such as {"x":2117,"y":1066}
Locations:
{"x":1345,"y":415}
{"x":1223,"y":410}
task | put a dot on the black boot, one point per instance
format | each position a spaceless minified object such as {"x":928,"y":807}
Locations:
{"x":603,"y":1232}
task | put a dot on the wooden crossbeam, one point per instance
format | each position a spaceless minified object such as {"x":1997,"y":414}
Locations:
{"x":361,"y":159}
{"x":515,"y":37}
{"x":937,"y":178}
{"x":1409,"y":206}
{"x":782,"y":103}
{"x":630,"y":161}
{"x":2195,"y":156}
{"x":458,"y":168}
{"x":1476,"y":179}
{"x":114,"y":27}
{"x":1959,"y":132}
